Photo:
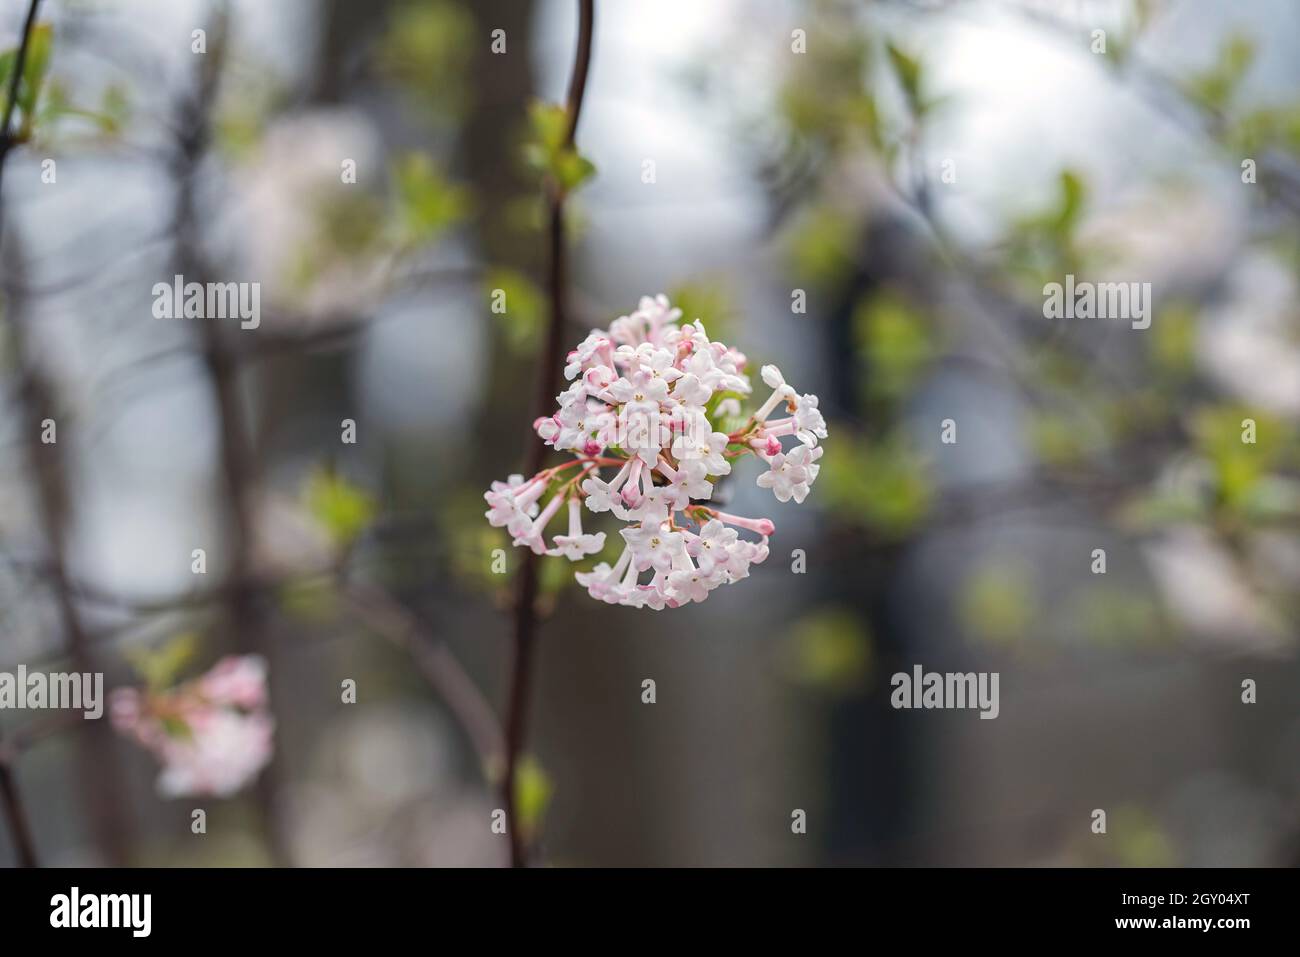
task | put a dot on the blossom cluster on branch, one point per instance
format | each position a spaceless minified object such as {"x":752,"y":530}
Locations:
{"x":212,"y":735}
{"x":653,"y":419}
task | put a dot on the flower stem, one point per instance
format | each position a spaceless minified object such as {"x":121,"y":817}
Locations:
{"x":525,"y":624}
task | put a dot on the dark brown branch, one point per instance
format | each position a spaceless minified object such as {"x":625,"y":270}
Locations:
{"x":237,"y":461}
{"x":100,"y":784}
{"x":19,"y":829}
{"x":9,"y":796}
{"x":525,"y":623}
{"x":7,"y":141}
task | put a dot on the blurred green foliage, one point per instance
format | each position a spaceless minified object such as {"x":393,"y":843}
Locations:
{"x":895,"y":344}
{"x":1216,"y":87}
{"x":883,"y":485}
{"x":998,"y":602}
{"x":342,"y":509}
{"x":824,"y":99}
{"x":1238,"y":466}
{"x":1115,"y":615}
{"x":1065,"y":436}
{"x":830,"y":650}
{"x":712,"y":302}
{"x":40,"y":46}
{"x":821,"y":245}
{"x":546,"y":151}
{"x":1042,"y":247}
{"x":1173,"y":339}
{"x":427,"y":49}
{"x":525,"y":309}
{"x":313,"y":599}
{"x":42,"y":101}
{"x":533,"y":792}
{"x":353,"y":224}
{"x":1138,"y":839}
{"x":428,"y":202}
{"x":161,"y":667}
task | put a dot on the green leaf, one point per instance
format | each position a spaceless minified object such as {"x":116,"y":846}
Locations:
{"x":533,"y":790}
{"x":549,"y":122}
{"x":1073,"y":194}
{"x":907,"y":70}
{"x":35,"y":67}
{"x":1217,"y":86}
{"x":39,"y":48}
{"x":161,"y":667}
{"x":428,"y":201}
{"x":1238,"y":465}
{"x":342,"y":509}
{"x":572,"y":170}
{"x":545,"y":150}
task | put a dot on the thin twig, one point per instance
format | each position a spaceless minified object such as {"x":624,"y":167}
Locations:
{"x":38,"y":399}
{"x":525,"y":623}
{"x":15,"y":79}
{"x":9,"y":796}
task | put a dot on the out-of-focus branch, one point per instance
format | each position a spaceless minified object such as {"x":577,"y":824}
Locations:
{"x":16,"y":816}
{"x":7,"y":140}
{"x":548,"y":378}
{"x":1280,"y":175}
{"x":237,"y":461}
{"x":14,"y":813}
{"x":101,"y":788}
{"x":393,"y":621}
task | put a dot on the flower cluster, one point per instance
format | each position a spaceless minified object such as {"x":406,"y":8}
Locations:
{"x":212,"y":734}
{"x":647,"y":420}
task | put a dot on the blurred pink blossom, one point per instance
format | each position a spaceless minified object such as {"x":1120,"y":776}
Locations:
{"x":213,"y":734}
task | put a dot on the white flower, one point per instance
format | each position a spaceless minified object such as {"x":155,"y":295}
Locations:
{"x":603,"y":579}
{"x":653,"y":546}
{"x":639,"y":400}
{"x":780,"y":390}
{"x":657,"y":312}
{"x":692,"y":584}
{"x":706,"y":449}
{"x":513,"y":503}
{"x":785,"y":475}
{"x":641,"y":391}
{"x":692,"y":477}
{"x":712,"y":547}
{"x":689,"y":390}
{"x":808,"y":421}
{"x":575,"y":545}
{"x":532,"y":534}
{"x":586,"y":352}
